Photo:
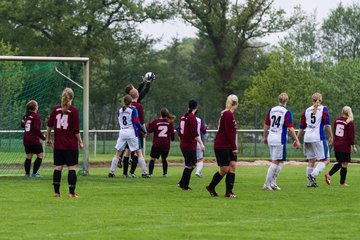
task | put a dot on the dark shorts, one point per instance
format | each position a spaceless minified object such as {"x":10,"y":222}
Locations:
{"x":35,"y":149}
{"x":190,"y":158}
{"x":66,"y":157}
{"x":156,"y":153}
{"x":224,"y":157}
{"x":343,"y":157}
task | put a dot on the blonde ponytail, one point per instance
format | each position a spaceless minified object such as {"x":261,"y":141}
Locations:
{"x":348,"y":112}
{"x":231,"y":101}
{"x":66,"y":99}
{"x":316,"y":99}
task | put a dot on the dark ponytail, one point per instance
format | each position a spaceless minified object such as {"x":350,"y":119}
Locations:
{"x":192,"y":106}
{"x":127,"y":99}
{"x":165,"y":114}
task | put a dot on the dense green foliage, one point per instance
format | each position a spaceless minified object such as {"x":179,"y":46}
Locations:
{"x":227,"y":56}
{"x":156,"y":209}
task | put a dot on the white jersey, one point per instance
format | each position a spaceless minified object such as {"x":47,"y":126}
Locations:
{"x":278,"y":119}
{"x":314,"y":124}
{"x":126,"y":123}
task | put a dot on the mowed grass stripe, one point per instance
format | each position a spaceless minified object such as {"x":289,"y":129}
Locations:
{"x":155,"y":208}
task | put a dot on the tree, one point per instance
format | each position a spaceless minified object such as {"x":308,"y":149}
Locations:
{"x":304,"y":41}
{"x":284,"y":74}
{"x":341,"y":30}
{"x":232,"y":27}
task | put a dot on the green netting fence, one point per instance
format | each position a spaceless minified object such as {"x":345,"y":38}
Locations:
{"x":22,"y":81}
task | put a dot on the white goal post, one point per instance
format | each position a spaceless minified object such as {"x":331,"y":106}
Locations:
{"x":85,"y":62}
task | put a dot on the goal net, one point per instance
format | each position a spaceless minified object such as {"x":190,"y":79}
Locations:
{"x":42,"y":79}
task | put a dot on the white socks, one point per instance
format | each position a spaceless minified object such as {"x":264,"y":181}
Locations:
{"x":319,"y":167}
{"x":142,"y":164}
{"x":277,"y":172}
{"x":309,"y":170}
{"x":270,"y":174}
{"x":199,"y":166}
{"x":114,"y":163}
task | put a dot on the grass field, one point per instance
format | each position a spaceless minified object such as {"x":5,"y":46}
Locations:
{"x":156,"y":209}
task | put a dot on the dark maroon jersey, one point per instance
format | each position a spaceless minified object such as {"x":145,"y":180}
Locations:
{"x":66,"y":125}
{"x":226,"y":135}
{"x":32,"y":125}
{"x":344,"y":135}
{"x":188,"y":132}
{"x":140,"y":110}
{"x":163,"y":132}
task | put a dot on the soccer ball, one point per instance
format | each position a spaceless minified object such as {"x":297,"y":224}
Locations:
{"x":149,"y":76}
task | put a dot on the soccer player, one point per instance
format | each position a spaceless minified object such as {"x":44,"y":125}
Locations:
{"x":163,"y":129}
{"x":278,"y":123}
{"x":188,"y":137}
{"x":64,"y":118}
{"x":201,"y":129}
{"x":146,"y":81}
{"x":32,"y":124}
{"x":128,"y":135}
{"x":344,"y":141}
{"x":225,"y":149}
{"x":314,"y":121}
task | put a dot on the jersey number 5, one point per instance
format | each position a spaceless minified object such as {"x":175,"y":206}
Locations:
{"x":62,"y":121}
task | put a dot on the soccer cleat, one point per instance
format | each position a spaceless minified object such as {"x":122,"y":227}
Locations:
{"x":145,"y":175}
{"x":212,"y":192}
{"x":119,"y":164}
{"x":75,"y":195}
{"x":27,"y":175}
{"x":36,"y":175}
{"x":187,"y":189}
{"x":274,"y":186}
{"x":57,"y":195}
{"x":313,"y":180}
{"x":198,"y":175}
{"x":231,"y":195}
{"x":327,"y":178}
{"x":111,"y":175}
{"x":125,"y":176}
{"x":132,"y":175}
{"x":344,"y":184}
{"x":165,"y":175}
{"x":267,"y":187}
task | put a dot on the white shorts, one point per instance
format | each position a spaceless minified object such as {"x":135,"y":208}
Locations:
{"x":316,"y":150}
{"x":278,"y":152}
{"x":199,"y":153}
{"x":134,"y":144}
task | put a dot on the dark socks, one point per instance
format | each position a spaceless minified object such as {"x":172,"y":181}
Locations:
{"x":27,"y":166}
{"x":335,"y":168}
{"x":165,"y":166}
{"x":187,"y":176}
{"x":185,"y":179}
{"x":134,"y":163}
{"x":37,"y":165}
{"x":215,"y":180}
{"x":125,"y":165}
{"x":343,"y":173}
{"x":151,"y":166}
{"x":56,"y":181}
{"x":230,"y":179}
{"x":72,"y":181}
